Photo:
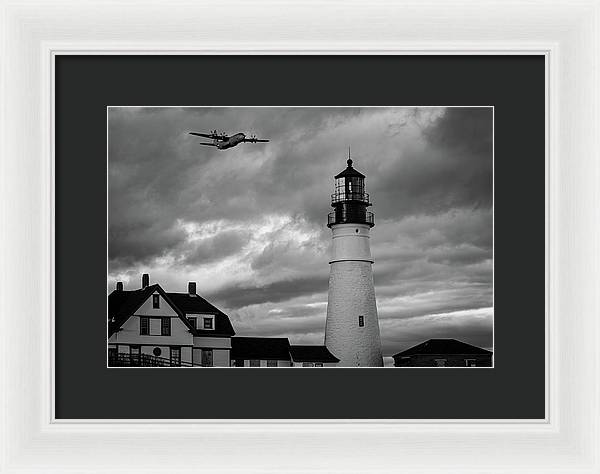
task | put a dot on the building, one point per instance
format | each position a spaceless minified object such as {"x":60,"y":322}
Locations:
{"x":277,"y":352}
{"x":149,"y":327}
{"x":444,"y":353}
{"x":260,"y":352}
{"x":352,"y":326}
{"x":312,"y":356}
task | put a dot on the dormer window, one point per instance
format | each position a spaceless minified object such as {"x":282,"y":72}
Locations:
{"x":156,"y":301}
{"x":193,"y":322}
{"x":208,"y":323}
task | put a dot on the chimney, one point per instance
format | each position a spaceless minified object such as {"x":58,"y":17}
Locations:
{"x":119,"y":286}
{"x":145,"y":280}
{"x":192,"y":288}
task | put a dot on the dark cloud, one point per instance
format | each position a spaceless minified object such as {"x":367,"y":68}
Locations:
{"x":215,"y":248}
{"x":474,"y":327}
{"x":249,"y":223}
{"x":450,"y":168}
{"x":140,"y":241}
{"x":240,"y":296}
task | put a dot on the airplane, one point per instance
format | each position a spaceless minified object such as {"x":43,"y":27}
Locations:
{"x":223,"y":141}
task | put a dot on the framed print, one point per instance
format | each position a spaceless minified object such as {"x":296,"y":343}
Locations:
{"x":194,"y":262}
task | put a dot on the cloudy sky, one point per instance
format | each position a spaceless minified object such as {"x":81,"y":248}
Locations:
{"x":249,"y":223}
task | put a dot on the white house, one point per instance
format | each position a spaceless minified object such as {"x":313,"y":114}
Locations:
{"x":149,"y":327}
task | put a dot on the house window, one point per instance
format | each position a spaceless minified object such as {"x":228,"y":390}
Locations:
{"x":271,"y":363}
{"x":470,"y":362}
{"x":134,"y":355}
{"x":175,"y":356}
{"x":207,"y":358}
{"x":193,"y":322}
{"x":238,"y":362}
{"x":361,"y":321}
{"x":254,"y":363}
{"x":208,"y":323}
{"x":440,"y":362}
{"x":165,"y":326}
{"x":155,"y":301}
{"x":144,"y":326}
{"x":318,"y":364}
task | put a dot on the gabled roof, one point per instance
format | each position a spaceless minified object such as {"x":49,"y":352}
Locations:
{"x":442,"y":346}
{"x":195,"y":304}
{"x":312,"y":354}
{"x":123,"y":304}
{"x":265,"y":348}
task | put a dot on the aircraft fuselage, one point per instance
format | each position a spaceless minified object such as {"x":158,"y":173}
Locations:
{"x":231,"y":141}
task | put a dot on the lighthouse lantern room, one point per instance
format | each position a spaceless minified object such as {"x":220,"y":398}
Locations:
{"x":350,"y":201}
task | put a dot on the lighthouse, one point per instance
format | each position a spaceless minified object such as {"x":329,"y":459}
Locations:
{"x":352,"y":326}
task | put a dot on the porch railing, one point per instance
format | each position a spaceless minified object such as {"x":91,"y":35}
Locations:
{"x":145,"y":360}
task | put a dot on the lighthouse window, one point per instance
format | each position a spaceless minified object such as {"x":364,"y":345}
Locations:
{"x":361,"y":321}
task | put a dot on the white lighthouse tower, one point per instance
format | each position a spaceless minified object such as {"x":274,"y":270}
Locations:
{"x":352,"y":327}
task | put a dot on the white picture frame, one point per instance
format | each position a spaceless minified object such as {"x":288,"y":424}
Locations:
{"x":566,"y":33}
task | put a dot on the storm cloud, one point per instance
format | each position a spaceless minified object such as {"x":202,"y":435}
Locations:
{"x":249,"y":223}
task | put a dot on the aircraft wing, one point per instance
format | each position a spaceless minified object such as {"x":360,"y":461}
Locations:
{"x":210,"y":135}
{"x":254,"y":140}
{"x":207,"y":144}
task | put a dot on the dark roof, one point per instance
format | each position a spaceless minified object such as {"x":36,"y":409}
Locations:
{"x":123,"y":304}
{"x":266,"y":348}
{"x":349,"y":172}
{"x":312,"y":354}
{"x":442,"y":346}
{"x":195,"y":304}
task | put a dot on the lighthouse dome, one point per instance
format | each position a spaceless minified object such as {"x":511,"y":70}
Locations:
{"x":350,"y":172}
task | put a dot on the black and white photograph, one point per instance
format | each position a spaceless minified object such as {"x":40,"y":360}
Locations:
{"x":331,"y":237}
